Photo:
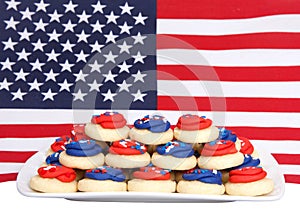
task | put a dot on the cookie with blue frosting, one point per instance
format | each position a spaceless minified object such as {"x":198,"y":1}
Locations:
{"x":151,"y":130}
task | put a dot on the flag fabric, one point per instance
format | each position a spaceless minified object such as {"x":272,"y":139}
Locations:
{"x":234,"y":61}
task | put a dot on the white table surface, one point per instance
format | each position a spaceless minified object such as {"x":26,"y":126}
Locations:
{"x":12,"y":200}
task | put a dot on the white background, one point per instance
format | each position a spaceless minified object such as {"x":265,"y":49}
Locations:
{"x":12,"y":201}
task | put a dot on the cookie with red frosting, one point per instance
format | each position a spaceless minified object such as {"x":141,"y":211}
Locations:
{"x":54,"y":179}
{"x":109,"y":126}
{"x":249,"y":181}
{"x":195,"y":129}
{"x":59,"y":144}
{"x":247,"y":148}
{"x":127,"y":153}
{"x":201,"y":181}
{"x":103,"y":179}
{"x":220,"y":154}
{"x":151,"y":130}
{"x":151,"y":179}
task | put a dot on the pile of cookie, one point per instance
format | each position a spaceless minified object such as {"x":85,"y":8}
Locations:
{"x":195,"y":157}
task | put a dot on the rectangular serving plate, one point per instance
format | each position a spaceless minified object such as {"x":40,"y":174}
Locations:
{"x":32,"y":164}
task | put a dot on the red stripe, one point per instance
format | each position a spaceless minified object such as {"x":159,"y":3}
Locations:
{"x":267,"y":133}
{"x":292,"y":178}
{"x":242,"y":41}
{"x":12,"y":156}
{"x":249,"y":74}
{"x":224,"y":9}
{"x":34,"y":130}
{"x":287,"y":158}
{"x":183,"y":103}
{"x":8,"y":177}
{"x":255,"y":133}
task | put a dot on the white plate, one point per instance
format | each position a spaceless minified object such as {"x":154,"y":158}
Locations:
{"x":32,"y":164}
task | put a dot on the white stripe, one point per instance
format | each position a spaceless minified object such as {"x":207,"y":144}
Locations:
{"x":25,"y":144}
{"x":275,"y":23}
{"x":277,"y":146}
{"x":255,"y":119}
{"x":290,"y":169}
{"x":228,"y":89}
{"x":6,"y":168}
{"x":239,"y":57}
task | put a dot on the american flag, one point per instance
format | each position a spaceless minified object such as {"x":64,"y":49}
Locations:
{"x":235,"y":61}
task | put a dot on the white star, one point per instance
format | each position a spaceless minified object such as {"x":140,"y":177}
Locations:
{"x":82,"y":36}
{"x":52,"y":55}
{"x":11,"y":23}
{"x":25,"y":35}
{"x":35,"y":85}
{"x":84,"y":17}
{"x":111,"y":37}
{"x":54,"y":36}
{"x":138,"y":96}
{"x":96,"y":47}
{"x":97,"y":27}
{"x":80,"y":76}
{"x":96,"y":66}
{"x":27,"y":14}
{"x":37,"y":65}
{"x":111,"y":18}
{"x":140,"y":19}
{"x":126,"y":9}
{"x":98,"y":7}
{"x":23,"y":55}
{"x":124,"y":67}
{"x":65,"y":85}
{"x":51,"y":76}
{"x":125,"y":28}
{"x":69,"y":26}
{"x":7,"y":64}
{"x":49,"y":95}
{"x":109,"y":77}
{"x":40,"y":25}
{"x":139,"y":76}
{"x":124,"y":47}
{"x":55,"y":16}
{"x":5,"y":85}
{"x":41,"y":6}
{"x":79,"y":95}
{"x":12,"y":4}
{"x":108,"y":96}
{"x":67,"y":46}
{"x":139,"y":58}
{"x":95,"y":86}
{"x":139,"y":38}
{"x":18,"y":95}
{"x":38,"y":45}
{"x":9,"y":44}
{"x":81,"y":56}
{"x":21,"y":75}
{"x":124,"y":86}
{"x":110,"y":57}
{"x":66,"y":66}
{"x":70,"y":7}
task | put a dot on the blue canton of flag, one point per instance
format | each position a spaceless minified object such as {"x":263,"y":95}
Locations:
{"x":73,"y":54}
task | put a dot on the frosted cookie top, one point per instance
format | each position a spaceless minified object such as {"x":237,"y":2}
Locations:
{"x":247,"y":174}
{"x":152,"y":173}
{"x":203,"y":175}
{"x":127,"y":147}
{"x":218,"y":148}
{"x":246,"y":146}
{"x":248,"y":162}
{"x":109,"y":120}
{"x":105,"y":173}
{"x":176,"y":148}
{"x":154,"y":123}
{"x":60,"y":143}
{"x":225,"y":134}
{"x":83,"y":148}
{"x":62,"y":173}
{"x":193,"y":122}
